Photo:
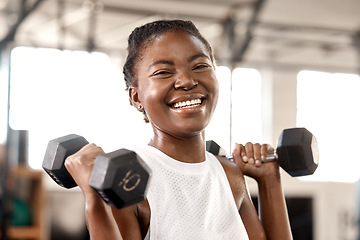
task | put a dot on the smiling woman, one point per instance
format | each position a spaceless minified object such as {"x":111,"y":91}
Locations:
{"x":170,"y":77}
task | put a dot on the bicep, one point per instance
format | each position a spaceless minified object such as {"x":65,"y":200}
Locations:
{"x":251,"y":220}
{"x":128,"y":222}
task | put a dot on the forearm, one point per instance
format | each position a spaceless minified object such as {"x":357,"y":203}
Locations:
{"x":100,"y":221}
{"x":273,"y":210}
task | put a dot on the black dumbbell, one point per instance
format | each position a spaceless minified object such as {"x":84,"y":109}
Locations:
{"x":297,"y":152}
{"x":120,"y":177}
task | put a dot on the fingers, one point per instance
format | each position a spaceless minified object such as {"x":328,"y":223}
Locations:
{"x":91,"y":150}
{"x":239,"y":154}
{"x":84,"y":155}
{"x":251,"y":153}
{"x":80,"y":165}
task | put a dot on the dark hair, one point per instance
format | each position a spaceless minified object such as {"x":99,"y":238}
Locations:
{"x":142,"y":36}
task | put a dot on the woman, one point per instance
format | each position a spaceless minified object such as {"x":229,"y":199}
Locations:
{"x":170,"y":77}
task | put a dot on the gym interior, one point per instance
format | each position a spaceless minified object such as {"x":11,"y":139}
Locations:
{"x":280,"y":64}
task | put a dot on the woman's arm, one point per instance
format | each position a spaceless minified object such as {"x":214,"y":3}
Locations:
{"x":272,"y":208}
{"x":251,"y":220}
{"x":100,"y":221}
{"x":247,"y":211}
{"x":273,"y":211}
{"x":130,"y":222}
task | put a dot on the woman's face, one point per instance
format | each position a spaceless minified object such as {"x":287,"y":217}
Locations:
{"x":176,"y":84}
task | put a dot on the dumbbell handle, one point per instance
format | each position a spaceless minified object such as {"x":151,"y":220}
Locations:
{"x":270,"y":157}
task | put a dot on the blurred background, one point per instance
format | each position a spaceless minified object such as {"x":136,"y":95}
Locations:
{"x":280,"y":64}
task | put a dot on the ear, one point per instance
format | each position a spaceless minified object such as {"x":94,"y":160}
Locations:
{"x":135,"y":99}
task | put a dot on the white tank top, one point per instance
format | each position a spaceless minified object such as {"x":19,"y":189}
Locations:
{"x":190,"y":200}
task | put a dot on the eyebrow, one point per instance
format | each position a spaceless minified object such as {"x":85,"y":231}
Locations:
{"x":192,"y":58}
{"x":167,"y":62}
{"x":199,"y":55}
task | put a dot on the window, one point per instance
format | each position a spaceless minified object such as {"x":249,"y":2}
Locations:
{"x":328,"y":106}
{"x":244,"y":98}
{"x":219,"y":127}
{"x":4,"y":76}
{"x":55,"y":93}
{"x":246,"y":106}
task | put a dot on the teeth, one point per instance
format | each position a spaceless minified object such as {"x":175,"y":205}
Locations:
{"x":187,"y":103}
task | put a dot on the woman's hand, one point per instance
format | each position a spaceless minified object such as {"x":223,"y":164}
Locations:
{"x":80,"y":166}
{"x":273,"y":211}
{"x":250,"y":160}
{"x":99,"y":218}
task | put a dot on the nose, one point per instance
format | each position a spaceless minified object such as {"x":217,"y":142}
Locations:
{"x":185,"y":81}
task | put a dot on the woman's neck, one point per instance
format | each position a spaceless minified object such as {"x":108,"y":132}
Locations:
{"x":184,"y":149}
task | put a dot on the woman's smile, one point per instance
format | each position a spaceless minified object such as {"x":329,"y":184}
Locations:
{"x":189,"y":101}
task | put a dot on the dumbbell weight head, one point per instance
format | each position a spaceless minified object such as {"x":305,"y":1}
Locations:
{"x":297,"y":152}
{"x":120,"y":178}
{"x":56,"y":153}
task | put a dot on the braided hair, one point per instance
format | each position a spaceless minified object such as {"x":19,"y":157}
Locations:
{"x":142,"y":36}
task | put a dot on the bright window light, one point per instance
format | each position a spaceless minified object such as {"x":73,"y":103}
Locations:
{"x":328,"y":106}
{"x":243,"y":96}
{"x":219,"y":127}
{"x":54,"y":93}
{"x":4,"y":76}
{"x":246,"y":106}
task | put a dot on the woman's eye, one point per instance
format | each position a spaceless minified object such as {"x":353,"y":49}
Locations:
{"x":201,"y":66}
{"x":158,"y":73}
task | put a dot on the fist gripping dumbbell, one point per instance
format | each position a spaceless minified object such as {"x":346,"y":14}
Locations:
{"x":120,"y":177}
{"x":297,"y":152}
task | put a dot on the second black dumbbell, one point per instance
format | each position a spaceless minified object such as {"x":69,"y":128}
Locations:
{"x":297,"y":152}
{"x":120,"y":178}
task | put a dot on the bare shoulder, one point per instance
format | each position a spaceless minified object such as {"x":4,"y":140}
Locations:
{"x":133,"y":221}
{"x":236,"y":179}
